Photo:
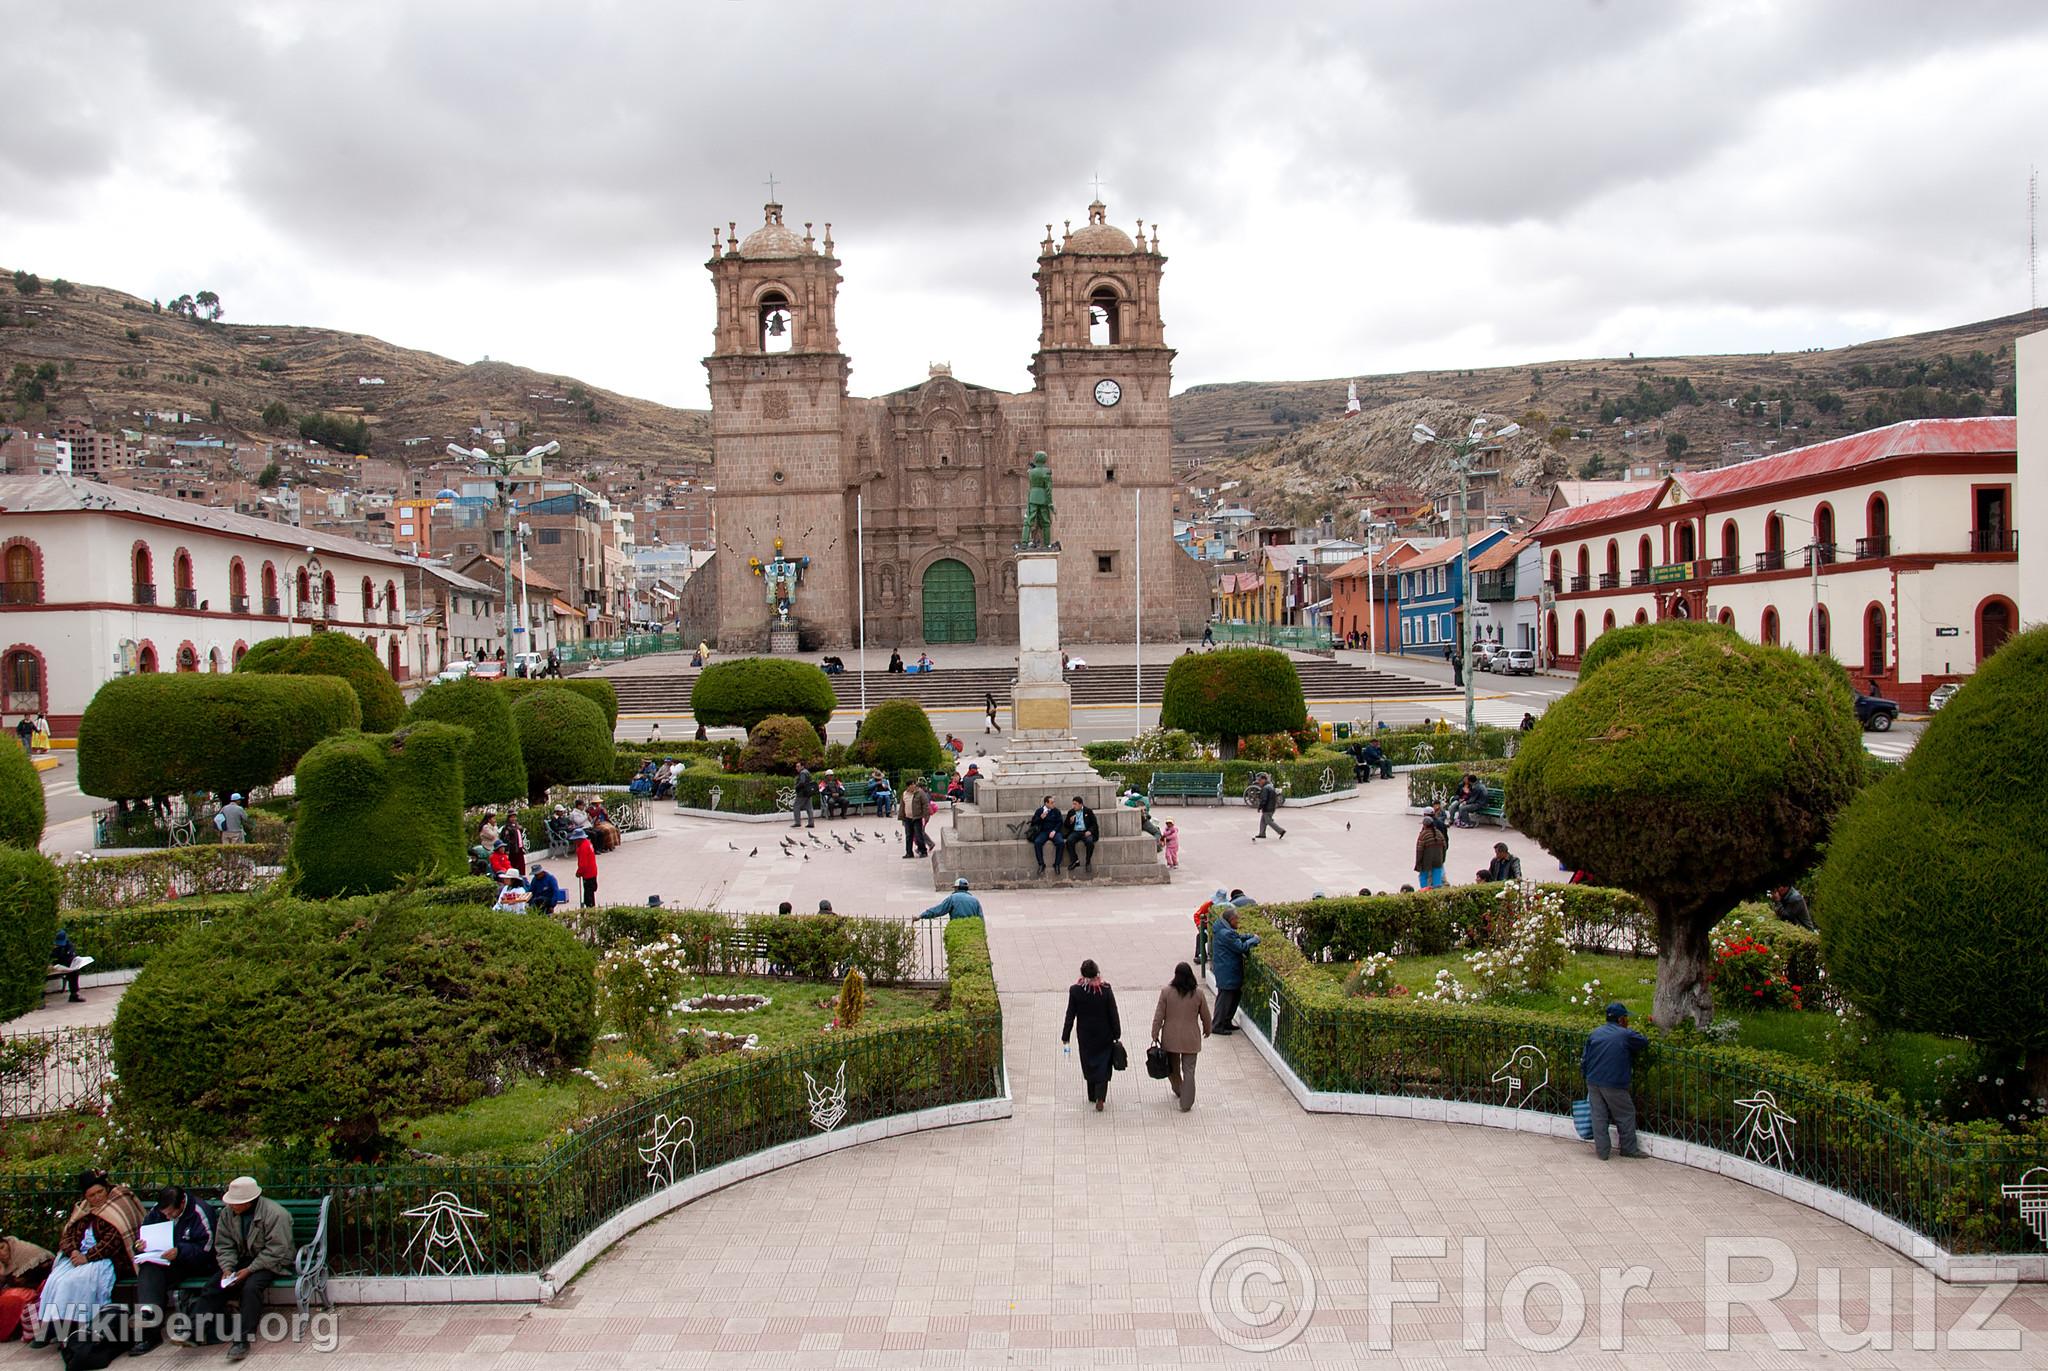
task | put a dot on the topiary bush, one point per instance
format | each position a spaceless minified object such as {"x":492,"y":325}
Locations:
{"x":28,"y":926}
{"x":21,"y":799}
{"x":333,"y":654}
{"x":1929,"y":902}
{"x":897,"y":737}
{"x":1692,"y":771}
{"x":377,"y":809}
{"x":596,"y":689}
{"x":169,"y":733}
{"x":1229,"y":694}
{"x":778,"y":743}
{"x":494,"y":768}
{"x":303,"y":1022}
{"x":1616,"y":642}
{"x":564,"y":739}
{"x":742,"y":692}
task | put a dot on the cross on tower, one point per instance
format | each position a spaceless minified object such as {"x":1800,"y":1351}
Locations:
{"x":770,"y":183}
{"x":1096,"y":181}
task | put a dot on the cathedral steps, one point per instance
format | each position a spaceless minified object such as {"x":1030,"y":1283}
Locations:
{"x":965,"y":687}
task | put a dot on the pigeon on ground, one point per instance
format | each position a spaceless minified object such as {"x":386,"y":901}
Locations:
{"x":755,"y":853}
{"x":732,"y":847}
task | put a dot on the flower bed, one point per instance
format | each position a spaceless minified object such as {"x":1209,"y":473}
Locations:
{"x":723,"y":1004}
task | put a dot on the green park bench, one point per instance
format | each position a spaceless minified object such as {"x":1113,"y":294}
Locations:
{"x":1186,"y":785}
{"x":857,"y":796}
{"x":309,"y":1240}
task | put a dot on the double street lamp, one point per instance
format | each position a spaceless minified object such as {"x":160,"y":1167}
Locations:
{"x":1479,"y":438}
{"x":501,"y":465}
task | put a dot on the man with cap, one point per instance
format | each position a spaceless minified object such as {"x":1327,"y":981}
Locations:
{"x":1609,"y":1064}
{"x":252,"y":1242}
{"x":233,"y":820}
{"x":1227,"y":947}
{"x":958,"y":905}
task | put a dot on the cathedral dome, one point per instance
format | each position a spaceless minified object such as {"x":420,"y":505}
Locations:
{"x":772,"y":239}
{"x":1099,"y":236}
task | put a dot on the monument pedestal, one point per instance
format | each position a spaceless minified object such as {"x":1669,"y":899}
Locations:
{"x":988,"y":841}
{"x":782,"y":640}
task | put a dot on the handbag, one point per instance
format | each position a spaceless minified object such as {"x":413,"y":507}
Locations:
{"x":1119,"y":1060}
{"x":1158,"y":1064}
{"x":1582,"y":1118}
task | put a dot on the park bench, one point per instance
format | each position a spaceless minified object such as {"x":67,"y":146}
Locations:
{"x":561,"y":837}
{"x":309,"y":1242}
{"x":1186,"y":785}
{"x":857,"y":797}
{"x":57,"y":975}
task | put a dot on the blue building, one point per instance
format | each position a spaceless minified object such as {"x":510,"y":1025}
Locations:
{"x":1432,"y":594}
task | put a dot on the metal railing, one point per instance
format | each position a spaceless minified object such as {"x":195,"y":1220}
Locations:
{"x":1825,"y":552}
{"x":21,"y":592}
{"x":1773,"y":560}
{"x":186,"y":597}
{"x":55,"y":1071}
{"x":1639,"y":577}
{"x":1296,"y":637}
{"x":273,"y":606}
{"x":1581,"y":583}
{"x":1495,"y":586}
{"x":145,"y":594}
{"x":1869,"y":549}
{"x":1994,"y":540}
{"x":238,"y":604}
{"x":1610,"y":580}
{"x":621,"y":648}
{"x":1720,"y":566}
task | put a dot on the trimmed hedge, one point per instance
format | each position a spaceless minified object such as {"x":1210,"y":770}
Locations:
{"x":1305,"y":776}
{"x":28,"y":927}
{"x":309,"y":1022}
{"x":812,"y":947}
{"x":494,"y":768}
{"x":742,"y":692}
{"x":737,"y":793}
{"x":563,"y":739}
{"x":1232,"y":693}
{"x":1617,"y":642}
{"x":595,"y":689}
{"x":778,"y":743}
{"x":1432,"y":922}
{"x":173,"y":873}
{"x":169,"y":733}
{"x":21,"y":799}
{"x":897,"y":736}
{"x":1426,"y":746}
{"x":333,"y":654}
{"x":376,"y":809}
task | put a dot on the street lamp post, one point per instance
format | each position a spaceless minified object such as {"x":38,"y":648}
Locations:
{"x":1478,"y":439}
{"x":500,"y":465}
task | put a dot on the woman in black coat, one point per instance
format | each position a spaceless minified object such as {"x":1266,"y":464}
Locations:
{"x":1091,"y":1007}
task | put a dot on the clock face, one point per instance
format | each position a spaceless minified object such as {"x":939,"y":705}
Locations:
{"x":1107,"y":393}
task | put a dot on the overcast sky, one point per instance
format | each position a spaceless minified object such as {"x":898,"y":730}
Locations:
{"x":1342,"y":189}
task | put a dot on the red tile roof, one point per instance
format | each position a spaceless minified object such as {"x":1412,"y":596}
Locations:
{"x":1613,"y":507}
{"x":1914,"y":437}
{"x":1501,"y":554}
{"x":1447,"y":551}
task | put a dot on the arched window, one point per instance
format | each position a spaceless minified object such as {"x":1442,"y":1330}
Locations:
{"x":144,"y":568}
{"x":1873,"y":639}
{"x":1607,"y":621}
{"x":396,"y":667}
{"x":1613,"y":563}
{"x":1995,"y":620}
{"x":1105,"y":318}
{"x":1769,"y":632}
{"x":329,"y":601}
{"x":1579,"y":633}
{"x":1556,"y":575}
{"x":238,"y":586}
{"x":1687,"y":543}
{"x":240,"y":649}
{"x":304,"y":601}
{"x":22,"y":570}
{"x":1877,"y":528}
{"x":369,"y":599}
{"x":391,"y":602}
{"x":1643,"y":557}
{"x":145,"y":657}
{"x":1774,"y":544}
{"x":270,"y":600}
{"x":1550,"y":632}
{"x":1823,"y":634}
{"x":213,"y":659}
{"x":21,"y":676}
{"x":187,"y":595}
{"x":1824,"y":532}
{"x":188,"y":656}
{"x":1585,"y":562}
{"x":1726,"y":616}
{"x":777,"y":325}
{"x":1731,"y":547}
{"x":1642,"y":616}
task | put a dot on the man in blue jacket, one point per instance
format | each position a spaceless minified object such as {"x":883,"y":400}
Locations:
{"x":958,"y":905}
{"x":190,"y":1254}
{"x":1227,"y":947}
{"x":1610,"y":1064}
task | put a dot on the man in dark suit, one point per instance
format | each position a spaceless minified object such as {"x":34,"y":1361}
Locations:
{"x":1046,"y":827}
{"x":1084,"y":830}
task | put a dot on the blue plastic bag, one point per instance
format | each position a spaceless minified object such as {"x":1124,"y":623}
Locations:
{"x":1582,"y":1118}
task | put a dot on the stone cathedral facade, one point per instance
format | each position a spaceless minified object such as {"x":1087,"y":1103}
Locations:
{"x":919,"y":495}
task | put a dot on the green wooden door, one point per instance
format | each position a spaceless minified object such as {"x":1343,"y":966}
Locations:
{"x":948,"y":603}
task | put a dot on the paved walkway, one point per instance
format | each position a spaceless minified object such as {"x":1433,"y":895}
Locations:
{"x":1062,"y":1237}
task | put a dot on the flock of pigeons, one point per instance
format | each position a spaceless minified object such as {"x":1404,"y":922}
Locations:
{"x":793,"y":847}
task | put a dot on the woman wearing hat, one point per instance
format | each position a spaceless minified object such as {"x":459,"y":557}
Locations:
{"x":95,"y":1250}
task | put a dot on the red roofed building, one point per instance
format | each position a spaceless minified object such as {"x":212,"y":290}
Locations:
{"x":1364,"y":596}
{"x":1893,"y":550}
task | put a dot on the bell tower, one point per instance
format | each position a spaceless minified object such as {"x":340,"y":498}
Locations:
{"x":1103,"y":372}
{"x":778,"y":411}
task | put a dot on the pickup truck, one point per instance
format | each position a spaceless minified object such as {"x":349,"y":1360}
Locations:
{"x":1876,"y":713}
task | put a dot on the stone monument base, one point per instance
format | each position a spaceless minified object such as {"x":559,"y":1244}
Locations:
{"x":988,"y":843}
{"x":782,"y":640}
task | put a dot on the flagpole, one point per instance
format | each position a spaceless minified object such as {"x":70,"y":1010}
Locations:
{"x":860,"y":556}
{"x":1138,"y":611}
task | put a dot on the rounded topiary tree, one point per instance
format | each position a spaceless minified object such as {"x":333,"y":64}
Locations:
{"x":778,"y":743}
{"x":1929,"y":902}
{"x":333,"y":654}
{"x":175,"y":733}
{"x":1233,"y":693}
{"x":494,"y":768}
{"x":743,"y":692}
{"x":29,"y":887}
{"x":563,"y":737}
{"x":1616,"y":642}
{"x":376,"y":809}
{"x":596,"y":689}
{"x":318,"y":1023}
{"x":1693,"y":772}
{"x":21,"y":798}
{"x":897,"y":737}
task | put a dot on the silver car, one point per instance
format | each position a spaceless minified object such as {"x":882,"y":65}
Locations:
{"x":1515,"y":661}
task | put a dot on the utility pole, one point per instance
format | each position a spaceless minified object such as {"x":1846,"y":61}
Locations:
{"x":501,"y":466}
{"x":1478,"y":438}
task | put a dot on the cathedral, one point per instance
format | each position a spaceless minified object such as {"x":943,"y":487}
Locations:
{"x":914,"y":501}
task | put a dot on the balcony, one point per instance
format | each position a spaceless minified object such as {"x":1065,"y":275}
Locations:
{"x":21,"y":593}
{"x":238,"y":604}
{"x":1994,"y":540}
{"x":1639,"y":577}
{"x":331,"y":613}
{"x":1610,"y":580}
{"x":1494,"y":587}
{"x":1871,"y":549}
{"x":273,"y":606}
{"x":1720,"y":566}
{"x":186,"y":597}
{"x":391,"y":614}
{"x":145,"y":595}
{"x":1771,"y":561}
{"x":1580,"y":583}
{"x":1823,"y":552}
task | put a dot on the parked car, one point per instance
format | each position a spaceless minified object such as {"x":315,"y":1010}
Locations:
{"x":1483,"y":655}
{"x":455,"y":670}
{"x":488,"y":670}
{"x":1515,"y":661}
{"x":1876,"y":713}
{"x":529,"y":663}
{"x":1943,"y":694}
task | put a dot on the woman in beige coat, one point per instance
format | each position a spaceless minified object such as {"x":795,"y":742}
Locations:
{"x":1178,"y":1025}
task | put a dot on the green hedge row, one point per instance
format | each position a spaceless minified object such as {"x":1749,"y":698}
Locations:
{"x":332,"y":654}
{"x":1303,"y":777}
{"x":1431,"y":922}
{"x":1410,"y":746}
{"x":169,"y":874}
{"x":21,"y":799}
{"x":28,"y":927}
{"x":812,"y":947}
{"x":172,"y":733}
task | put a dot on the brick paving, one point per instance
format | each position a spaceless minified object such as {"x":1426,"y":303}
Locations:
{"x":1061,"y":1237}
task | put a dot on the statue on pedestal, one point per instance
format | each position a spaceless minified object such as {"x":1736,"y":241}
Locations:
{"x":780,"y":576}
{"x":1038,"y":506}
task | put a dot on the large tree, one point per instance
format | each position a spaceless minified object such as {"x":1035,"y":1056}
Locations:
{"x":1694,"y":770}
{"x":746,"y":690}
{"x":1233,"y":694}
{"x":1929,"y":903}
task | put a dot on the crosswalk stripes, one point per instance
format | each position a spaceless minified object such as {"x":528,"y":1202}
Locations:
{"x":1893,"y":747}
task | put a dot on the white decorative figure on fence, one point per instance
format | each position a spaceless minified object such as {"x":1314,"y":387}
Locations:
{"x":670,"y":1136}
{"x":828,"y":1105}
{"x":444,"y":1246}
{"x":1273,"y":1016}
{"x":717,"y":794}
{"x":2031,"y":1190}
{"x":1526,"y":1071}
{"x":1765,"y":1130}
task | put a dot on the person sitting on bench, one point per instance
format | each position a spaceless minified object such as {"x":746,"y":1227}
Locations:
{"x":63,"y":954}
{"x":832,"y":795}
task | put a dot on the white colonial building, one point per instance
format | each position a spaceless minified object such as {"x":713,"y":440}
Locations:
{"x":100,"y":582}
{"x":1893,"y":550}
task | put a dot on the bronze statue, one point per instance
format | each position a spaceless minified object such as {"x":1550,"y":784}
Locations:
{"x":1038,"y":505}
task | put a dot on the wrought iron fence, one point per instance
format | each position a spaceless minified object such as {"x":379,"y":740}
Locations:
{"x":1298,"y":637}
{"x":54,"y":1071}
{"x":620,"y":648}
